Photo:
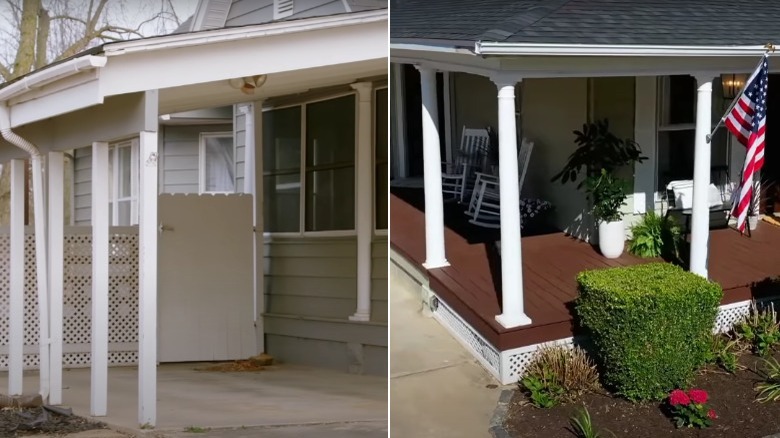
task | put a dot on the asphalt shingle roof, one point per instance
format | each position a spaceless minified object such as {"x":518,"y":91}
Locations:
{"x":630,"y":22}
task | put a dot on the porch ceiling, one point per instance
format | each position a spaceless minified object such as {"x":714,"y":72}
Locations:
{"x":219,"y":93}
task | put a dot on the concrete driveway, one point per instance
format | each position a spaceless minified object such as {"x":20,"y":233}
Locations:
{"x":436,"y":388}
{"x":234,"y":403}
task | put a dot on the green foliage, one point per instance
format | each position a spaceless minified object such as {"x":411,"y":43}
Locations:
{"x":597,"y":149}
{"x":557,"y":374}
{"x":723,"y":352}
{"x":769,"y":389}
{"x":656,"y":236}
{"x":608,"y":194}
{"x":649,"y":325}
{"x":759,"y":329}
{"x":582,"y":425}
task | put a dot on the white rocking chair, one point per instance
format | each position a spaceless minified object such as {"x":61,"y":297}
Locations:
{"x":484,"y":207}
{"x":457,"y":177}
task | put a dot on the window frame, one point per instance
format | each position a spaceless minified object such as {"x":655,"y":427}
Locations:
{"x":302,"y":170}
{"x":379,"y":231}
{"x":202,"y":161}
{"x":113,"y":196}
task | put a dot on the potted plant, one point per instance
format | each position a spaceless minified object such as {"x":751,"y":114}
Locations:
{"x":599,"y":154}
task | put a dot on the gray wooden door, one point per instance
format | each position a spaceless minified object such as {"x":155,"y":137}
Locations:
{"x":205,"y":278}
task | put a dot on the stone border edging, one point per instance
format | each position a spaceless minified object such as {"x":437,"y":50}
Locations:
{"x":496,"y":428}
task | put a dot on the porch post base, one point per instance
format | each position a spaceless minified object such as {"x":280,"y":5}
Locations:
{"x":511,"y":321}
{"x":432,"y":264}
{"x":360,"y":316}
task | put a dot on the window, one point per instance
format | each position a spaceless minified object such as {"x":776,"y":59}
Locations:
{"x":380,"y":158}
{"x":217,"y":164}
{"x":123,"y":183}
{"x":310,"y":147}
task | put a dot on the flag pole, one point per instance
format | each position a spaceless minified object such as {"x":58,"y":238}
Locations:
{"x":769,"y":48}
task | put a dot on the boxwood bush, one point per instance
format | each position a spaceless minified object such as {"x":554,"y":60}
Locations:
{"x":649,"y":325}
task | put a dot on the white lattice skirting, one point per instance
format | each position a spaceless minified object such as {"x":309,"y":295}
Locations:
{"x":508,"y":366}
{"x":77,"y":300}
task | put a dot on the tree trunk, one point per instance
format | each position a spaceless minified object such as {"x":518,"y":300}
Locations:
{"x":25,"y":55}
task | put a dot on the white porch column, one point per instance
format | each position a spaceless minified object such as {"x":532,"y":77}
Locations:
{"x":700,"y":224}
{"x":256,"y":114}
{"x":364,"y":199}
{"x":56,"y":182}
{"x":100,"y":251}
{"x":147,"y":284}
{"x":513,"y":313}
{"x":16,"y":298}
{"x":434,"y":200}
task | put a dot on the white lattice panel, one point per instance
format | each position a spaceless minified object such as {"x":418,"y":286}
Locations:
{"x":729,"y":315}
{"x":77,"y":303}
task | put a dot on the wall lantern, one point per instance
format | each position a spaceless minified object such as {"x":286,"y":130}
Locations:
{"x":248,"y":84}
{"x":732,"y":84}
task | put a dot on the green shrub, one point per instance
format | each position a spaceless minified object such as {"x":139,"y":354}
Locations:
{"x":769,"y":388}
{"x":723,"y":352}
{"x":656,"y":236}
{"x":558,"y":374}
{"x":649,"y":324}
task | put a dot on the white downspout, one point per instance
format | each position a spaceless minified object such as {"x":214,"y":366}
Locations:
{"x":40,"y":242}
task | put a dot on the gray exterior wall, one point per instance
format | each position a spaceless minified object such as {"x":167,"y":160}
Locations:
{"x":180,"y":151}
{"x":244,"y":12}
{"x":239,"y":140}
{"x":310,"y":292}
{"x":82,"y":186}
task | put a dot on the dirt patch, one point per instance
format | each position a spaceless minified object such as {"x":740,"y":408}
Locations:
{"x":732,"y":397}
{"x":235,"y":366}
{"x":18,"y":422}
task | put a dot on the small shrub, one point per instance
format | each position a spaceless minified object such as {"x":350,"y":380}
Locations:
{"x":723,"y":352}
{"x":690,"y":409}
{"x":557,"y":374}
{"x":582,"y":425}
{"x":759,"y":329}
{"x":649,"y":324}
{"x":769,"y":389}
{"x":656,"y":236}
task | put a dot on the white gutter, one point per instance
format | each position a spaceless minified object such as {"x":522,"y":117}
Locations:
{"x":48,"y":75}
{"x":430,"y":48}
{"x":244,"y":32}
{"x":41,"y":264}
{"x":487,"y":48}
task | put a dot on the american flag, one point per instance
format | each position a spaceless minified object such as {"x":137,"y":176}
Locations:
{"x":747,"y":121}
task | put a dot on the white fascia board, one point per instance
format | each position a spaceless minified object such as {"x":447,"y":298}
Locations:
{"x":57,"y":103}
{"x":485,"y":48}
{"x":51,"y":74}
{"x":224,"y":59}
{"x":429,"y":48}
{"x":244,"y":32}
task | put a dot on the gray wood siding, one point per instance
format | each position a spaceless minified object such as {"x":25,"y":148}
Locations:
{"x":379,"y":279}
{"x":244,"y":12}
{"x":311,"y":277}
{"x":180,"y":156}
{"x":82,"y":186}
{"x":239,"y":140}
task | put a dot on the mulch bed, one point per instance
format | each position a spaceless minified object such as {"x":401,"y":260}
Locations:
{"x":732,"y":397}
{"x":18,"y":422}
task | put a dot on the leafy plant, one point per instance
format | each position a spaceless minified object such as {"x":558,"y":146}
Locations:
{"x":722,"y":352}
{"x":650,"y":325}
{"x":689,"y":409}
{"x":557,"y":374}
{"x":598,"y":149}
{"x":608,"y":195}
{"x":656,"y":236}
{"x":759,"y":329}
{"x":769,"y":389}
{"x":582,"y":425}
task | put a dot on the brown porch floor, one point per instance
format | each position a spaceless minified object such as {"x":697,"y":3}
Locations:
{"x":550,"y":265}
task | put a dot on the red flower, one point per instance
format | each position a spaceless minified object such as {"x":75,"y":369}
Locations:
{"x":678,"y":397}
{"x":711,"y":413}
{"x":698,"y":396}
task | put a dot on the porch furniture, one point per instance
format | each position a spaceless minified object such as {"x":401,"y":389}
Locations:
{"x":680,"y":202}
{"x":458,"y":176}
{"x":484,"y":207}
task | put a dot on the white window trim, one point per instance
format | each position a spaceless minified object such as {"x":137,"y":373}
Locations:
{"x":202,"y":161}
{"x":379,"y":231}
{"x":114,"y":198}
{"x":302,"y":233}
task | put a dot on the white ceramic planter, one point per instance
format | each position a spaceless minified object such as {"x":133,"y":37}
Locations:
{"x":612,"y":238}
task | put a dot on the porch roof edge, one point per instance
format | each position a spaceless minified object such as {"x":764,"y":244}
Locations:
{"x":492,"y":48}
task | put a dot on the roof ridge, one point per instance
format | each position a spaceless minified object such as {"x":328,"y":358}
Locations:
{"x":523,"y":20}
